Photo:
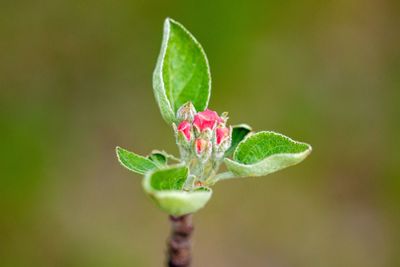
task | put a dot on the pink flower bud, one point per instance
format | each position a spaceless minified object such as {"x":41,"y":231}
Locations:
{"x":184,"y":128}
{"x":201,"y":145}
{"x":222,"y":133}
{"x":206,"y":119}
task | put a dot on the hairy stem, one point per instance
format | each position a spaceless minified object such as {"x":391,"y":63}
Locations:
{"x":179,"y":243}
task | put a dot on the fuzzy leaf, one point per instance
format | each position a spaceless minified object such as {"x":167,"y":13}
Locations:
{"x":182,"y":73}
{"x":165,"y":188}
{"x":169,"y":179}
{"x":264,"y":153}
{"x":239,"y":132}
{"x":159,"y":158}
{"x":134,"y":162}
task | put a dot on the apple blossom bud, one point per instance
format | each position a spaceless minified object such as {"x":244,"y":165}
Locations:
{"x":201,"y":145}
{"x":184,"y":128}
{"x":203,"y":148}
{"x":206,"y":120}
{"x":222,"y":133}
{"x":186,"y":112}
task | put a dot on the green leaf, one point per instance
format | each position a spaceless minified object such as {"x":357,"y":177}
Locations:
{"x":239,"y":132}
{"x":165,"y":188}
{"x":159,"y":158}
{"x":169,"y":179}
{"x":182,"y":73}
{"x":264,"y":153}
{"x":134,"y":162}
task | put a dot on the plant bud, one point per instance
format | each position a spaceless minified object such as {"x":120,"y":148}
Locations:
{"x":184,"y":128}
{"x":203,"y":149}
{"x":186,"y":112}
{"x":206,"y":120}
{"x":222,"y":133}
{"x":201,"y":145}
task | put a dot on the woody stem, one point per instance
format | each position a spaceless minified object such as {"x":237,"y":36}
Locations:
{"x":179,"y":242}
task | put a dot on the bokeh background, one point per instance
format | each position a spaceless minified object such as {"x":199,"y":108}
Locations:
{"x":75,"y":81}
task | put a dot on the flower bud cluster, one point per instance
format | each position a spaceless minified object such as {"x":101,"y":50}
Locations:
{"x":203,"y":138}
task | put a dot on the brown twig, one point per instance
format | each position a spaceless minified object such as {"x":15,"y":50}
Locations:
{"x":179,"y":243}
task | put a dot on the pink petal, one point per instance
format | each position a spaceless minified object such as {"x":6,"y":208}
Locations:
{"x":201,"y":145}
{"x":206,"y":120}
{"x":222,"y":133}
{"x":184,"y":128}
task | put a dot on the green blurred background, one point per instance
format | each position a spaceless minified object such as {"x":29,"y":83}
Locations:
{"x":76,"y":81}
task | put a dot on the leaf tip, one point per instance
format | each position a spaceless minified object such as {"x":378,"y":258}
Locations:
{"x":167,"y":21}
{"x":117,"y":151}
{"x":170,"y":20}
